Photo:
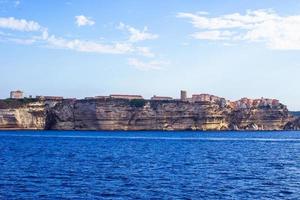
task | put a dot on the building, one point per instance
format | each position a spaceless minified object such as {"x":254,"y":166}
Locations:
{"x":183,"y":95}
{"x":50,"y":98}
{"x":89,"y":98}
{"x":160,"y":98}
{"x":201,"y":97}
{"x":101,"y":97}
{"x":214,"y":98}
{"x":16,"y":94}
{"x":275,"y":102}
{"x":97,"y":97}
{"x":244,"y":103}
{"x":121,"y":96}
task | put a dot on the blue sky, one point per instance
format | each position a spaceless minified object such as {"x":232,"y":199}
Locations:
{"x":81,"y":48}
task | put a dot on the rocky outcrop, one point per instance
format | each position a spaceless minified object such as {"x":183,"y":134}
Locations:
{"x":122,"y":114}
{"x":154,"y":115}
{"x":264,"y":118}
{"x":29,"y":115}
{"x":164,"y":115}
{"x":293,"y":124}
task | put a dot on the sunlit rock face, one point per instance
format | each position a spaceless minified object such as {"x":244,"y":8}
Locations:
{"x":163,"y":115}
{"x":259,"y":118}
{"x":25,"y":116}
{"x":121,"y":114}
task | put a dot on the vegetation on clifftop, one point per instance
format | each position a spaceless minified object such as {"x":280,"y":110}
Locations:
{"x":138,"y":103}
{"x":15,"y":103}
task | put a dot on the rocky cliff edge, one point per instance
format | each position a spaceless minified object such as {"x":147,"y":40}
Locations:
{"x":122,"y":114}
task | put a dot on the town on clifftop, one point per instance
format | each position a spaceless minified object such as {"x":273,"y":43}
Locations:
{"x":242,"y":103}
{"x":133,"y":112}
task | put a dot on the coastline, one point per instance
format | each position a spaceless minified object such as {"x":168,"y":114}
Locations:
{"x":131,"y":131}
{"x":141,"y":115}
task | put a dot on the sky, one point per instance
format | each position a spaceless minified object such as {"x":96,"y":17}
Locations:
{"x":82,"y":48}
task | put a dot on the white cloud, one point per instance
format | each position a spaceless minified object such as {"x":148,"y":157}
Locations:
{"x":89,"y":46}
{"x":146,"y":66}
{"x":19,"y":24}
{"x":96,"y":47}
{"x":137,"y":35}
{"x":277,"y":32}
{"x":234,"y":20}
{"x":145,"y":51}
{"x":82,"y":20}
{"x":42,"y":37}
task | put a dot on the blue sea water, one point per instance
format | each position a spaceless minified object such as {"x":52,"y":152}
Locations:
{"x":149,"y":165}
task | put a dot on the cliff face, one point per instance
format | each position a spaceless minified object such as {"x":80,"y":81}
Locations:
{"x":293,"y":124}
{"x":120,"y":115}
{"x":114,"y":114}
{"x":163,"y":115}
{"x":259,"y":119}
{"x":23,"y":116}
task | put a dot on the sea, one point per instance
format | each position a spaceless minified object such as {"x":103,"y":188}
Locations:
{"x":149,"y":165}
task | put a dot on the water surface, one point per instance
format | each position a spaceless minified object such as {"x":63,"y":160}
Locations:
{"x":149,"y":165}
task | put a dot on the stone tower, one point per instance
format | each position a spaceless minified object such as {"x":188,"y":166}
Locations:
{"x":183,"y":95}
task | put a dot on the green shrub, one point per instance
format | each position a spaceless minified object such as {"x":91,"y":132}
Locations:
{"x":15,"y":103}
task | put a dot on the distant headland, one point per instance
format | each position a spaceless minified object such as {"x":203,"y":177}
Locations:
{"x":133,"y":112}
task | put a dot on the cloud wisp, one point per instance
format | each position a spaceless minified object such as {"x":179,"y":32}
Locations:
{"x":39,"y":35}
{"x":266,"y":26}
{"x":42,"y":37}
{"x":89,"y":46}
{"x":19,"y":24}
{"x":137,"y":35}
{"x":82,"y":20}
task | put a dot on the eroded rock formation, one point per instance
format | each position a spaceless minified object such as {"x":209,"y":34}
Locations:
{"x":17,"y":114}
{"x":121,"y":114}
